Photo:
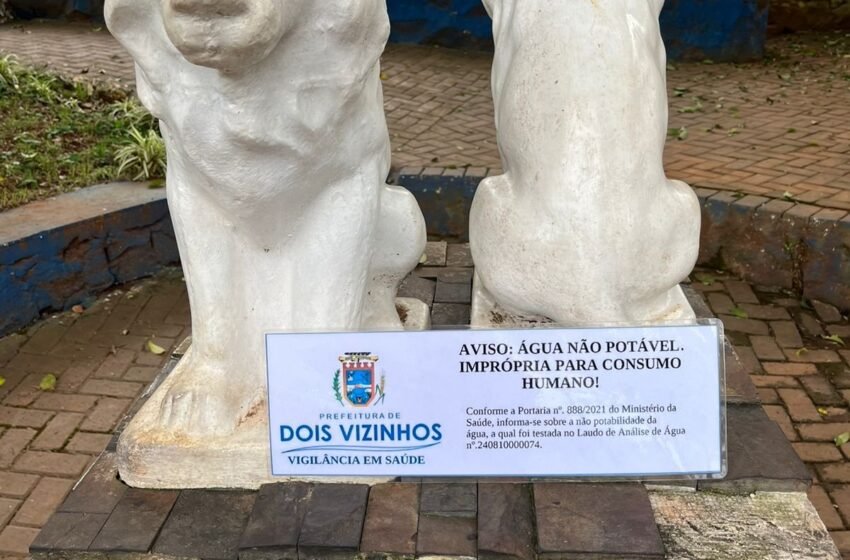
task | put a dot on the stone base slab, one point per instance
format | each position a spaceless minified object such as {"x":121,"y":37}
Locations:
{"x":779,"y":526}
{"x":152,"y":457}
{"x":103,"y":518}
{"x":487,"y":313}
{"x":58,"y":252}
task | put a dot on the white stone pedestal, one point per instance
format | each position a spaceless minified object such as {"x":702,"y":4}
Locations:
{"x":152,"y":457}
{"x":486,"y":313}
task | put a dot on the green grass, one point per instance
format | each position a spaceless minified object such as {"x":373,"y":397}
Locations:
{"x":57,"y":135}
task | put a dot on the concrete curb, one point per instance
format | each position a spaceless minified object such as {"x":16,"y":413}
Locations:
{"x":801,"y":247}
{"x":59,"y":252}
{"x":56,"y":253}
{"x":781,"y":243}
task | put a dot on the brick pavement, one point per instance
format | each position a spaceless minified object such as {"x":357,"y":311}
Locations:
{"x":72,"y":49}
{"x":101,"y":361}
{"x":794,"y":350}
{"x":779,"y":128}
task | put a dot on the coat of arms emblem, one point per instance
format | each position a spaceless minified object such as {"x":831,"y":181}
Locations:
{"x":360,"y":387}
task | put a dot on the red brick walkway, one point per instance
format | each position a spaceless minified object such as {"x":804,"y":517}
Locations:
{"x":75,"y":50}
{"x":779,"y":128}
{"x":797,"y":358}
{"x":101,"y":361}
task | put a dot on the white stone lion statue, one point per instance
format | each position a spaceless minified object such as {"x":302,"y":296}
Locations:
{"x":278,"y":151}
{"x":583,"y":227}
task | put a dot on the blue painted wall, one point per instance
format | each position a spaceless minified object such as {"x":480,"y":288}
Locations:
{"x":28,"y":9}
{"x":64,"y":266}
{"x":448,"y":23}
{"x":721,"y":30}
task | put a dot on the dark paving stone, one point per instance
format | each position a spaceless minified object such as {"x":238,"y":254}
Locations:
{"x":450,"y":275}
{"x":275,"y":522}
{"x":447,"y":536}
{"x":205,"y":524}
{"x":143,"y":398}
{"x":739,"y":386}
{"x":136,"y":521}
{"x":67,"y":532}
{"x":112,"y":446}
{"x":697,"y":302}
{"x":453,"y":293}
{"x":670,"y":483}
{"x":738,"y":339}
{"x":392,"y":519}
{"x":453,"y":498}
{"x":468,"y":479}
{"x":505,"y":522}
{"x":435,"y":253}
{"x":334,"y":521}
{"x":418,"y":288}
{"x":99,"y":491}
{"x":821,"y":391}
{"x":455,"y":275}
{"x":458,"y":254}
{"x":583,"y":521}
{"x":427,"y":271}
{"x":450,"y":314}
{"x":760,"y":457}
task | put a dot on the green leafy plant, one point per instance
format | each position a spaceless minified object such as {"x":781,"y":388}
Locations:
{"x":10,"y":71}
{"x":143,"y":156}
{"x":41,"y":86}
{"x":59,"y":134}
{"x":134,"y":113}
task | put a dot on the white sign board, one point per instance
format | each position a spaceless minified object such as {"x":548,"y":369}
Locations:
{"x":618,"y":402}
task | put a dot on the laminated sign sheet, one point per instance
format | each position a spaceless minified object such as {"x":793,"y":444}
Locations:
{"x":602,"y":402}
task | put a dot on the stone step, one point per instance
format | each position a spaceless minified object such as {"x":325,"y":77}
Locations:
{"x":522,"y":519}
